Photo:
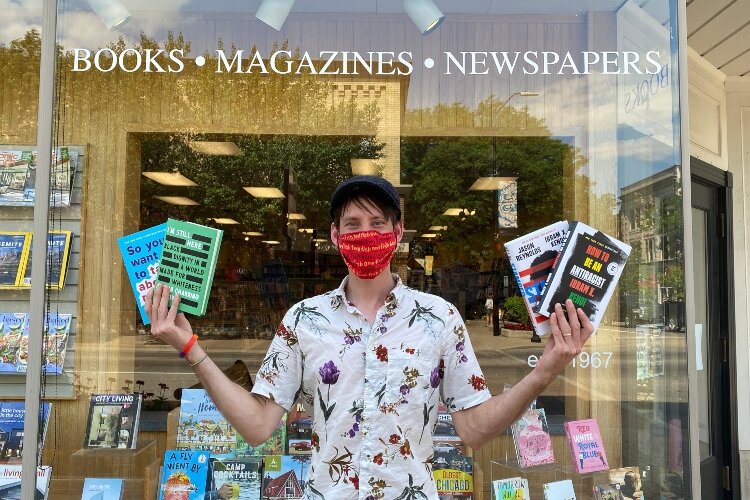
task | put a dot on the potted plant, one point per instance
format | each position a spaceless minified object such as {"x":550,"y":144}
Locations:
{"x":516,"y":321}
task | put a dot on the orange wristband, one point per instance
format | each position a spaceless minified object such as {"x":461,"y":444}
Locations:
{"x":188,"y":346}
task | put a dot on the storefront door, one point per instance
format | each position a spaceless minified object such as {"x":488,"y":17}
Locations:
{"x":714,"y":339}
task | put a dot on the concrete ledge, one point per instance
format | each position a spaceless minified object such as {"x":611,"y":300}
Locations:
{"x":516,"y":334}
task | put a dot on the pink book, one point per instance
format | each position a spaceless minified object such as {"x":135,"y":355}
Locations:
{"x":532,"y":439}
{"x":586,"y":447}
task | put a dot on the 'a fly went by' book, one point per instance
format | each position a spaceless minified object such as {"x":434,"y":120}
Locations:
{"x":113,"y":421}
{"x":188,"y":261}
{"x":185,"y":475}
{"x":586,"y":272}
{"x":531,"y":258}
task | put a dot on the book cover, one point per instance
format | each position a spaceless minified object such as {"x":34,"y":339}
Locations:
{"x":58,"y":256}
{"x":185,"y":475}
{"x":141,"y":252}
{"x":10,"y":481}
{"x":586,"y":446}
{"x":188,"y":262}
{"x":283,"y":476}
{"x":586,"y":272}
{"x":514,"y":488}
{"x":629,"y":480}
{"x":14,"y":331}
{"x":299,"y":431}
{"x":559,"y":490}
{"x":14,"y":250}
{"x":531,"y":258}
{"x":55,"y":343}
{"x":236,"y":479}
{"x":11,"y":429}
{"x":532,"y":439}
{"x":274,"y":445}
{"x":454,"y":478}
{"x":100,"y":488}
{"x":607,"y":492}
{"x":203,"y":427}
{"x":113,"y":421}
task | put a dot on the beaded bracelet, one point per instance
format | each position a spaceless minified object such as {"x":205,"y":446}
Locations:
{"x":188,"y":346}
{"x":200,"y":360}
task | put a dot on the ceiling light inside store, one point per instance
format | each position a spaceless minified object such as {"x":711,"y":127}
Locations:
{"x":425,"y":14}
{"x":252,"y":233}
{"x":364,"y":166}
{"x":215,"y":148}
{"x":272,"y":242}
{"x":491,"y":183}
{"x":177,"y":200}
{"x":264,"y":192}
{"x":111,"y":12}
{"x":169,"y":178}
{"x":296,"y":216}
{"x":429,"y":235}
{"x":320,"y":240}
{"x":274,"y":12}
{"x":438,"y":228}
{"x":225,"y":220}
{"x":453,"y":212}
{"x":306,"y":230}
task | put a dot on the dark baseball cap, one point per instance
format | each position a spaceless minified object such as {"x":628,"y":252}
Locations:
{"x":367,"y":185}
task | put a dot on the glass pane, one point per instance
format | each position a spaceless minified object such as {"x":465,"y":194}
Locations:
{"x":702,"y":334}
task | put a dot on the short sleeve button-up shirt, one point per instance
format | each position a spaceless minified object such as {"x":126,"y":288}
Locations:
{"x":373,"y":389}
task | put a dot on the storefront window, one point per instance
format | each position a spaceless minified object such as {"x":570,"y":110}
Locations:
{"x":504,"y":119}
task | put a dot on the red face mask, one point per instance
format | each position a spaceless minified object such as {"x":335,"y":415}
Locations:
{"x":367,"y":253}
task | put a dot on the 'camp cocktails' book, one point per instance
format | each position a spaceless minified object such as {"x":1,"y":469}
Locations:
{"x":586,"y":446}
{"x":586,"y":272}
{"x":188,"y":263}
{"x":531,"y":258}
{"x":113,"y":421}
{"x":141,"y":252}
{"x":237,"y":478}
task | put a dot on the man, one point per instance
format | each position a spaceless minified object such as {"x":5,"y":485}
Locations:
{"x":371,"y":359}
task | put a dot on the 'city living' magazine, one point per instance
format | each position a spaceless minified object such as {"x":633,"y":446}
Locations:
{"x":113,"y":421}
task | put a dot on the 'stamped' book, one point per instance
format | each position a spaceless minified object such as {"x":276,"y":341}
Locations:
{"x":102,"y":488}
{"x":141,"y":252}
{"x":188,"y":262}
{"x":203,"y":427}
{"x":14,"y":251}
{"x":10,"y":481}
{"x":586,"y":272}
{"x":11,"y":429}
{"x":185,"y":475}
{"x":532,"y":439}
{"x":237,"y":478}
{"x":283,"y":476}
{"x":559,"y":490}
{"x":113,"y":421}
{"x":607,"y":492}
{"x":586,"y":446}
{"x":531,"y":258}
{"x":514,"y":488}
{"x":58,"y":257}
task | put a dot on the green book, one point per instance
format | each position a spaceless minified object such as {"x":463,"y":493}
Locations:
{"x":188,"y":261}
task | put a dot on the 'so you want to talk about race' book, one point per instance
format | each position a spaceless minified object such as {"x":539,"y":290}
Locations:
{"x":141,"y":252}
{"x":531,"y":257}
{"x":586,"y":272}
{"x":113,"y":421}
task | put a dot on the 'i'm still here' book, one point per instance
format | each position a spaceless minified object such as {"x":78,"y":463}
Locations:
{"x":586,"y":272}
{"x":586,"y":446}
{"x":532,"y":257}
{"x":188,"y":262}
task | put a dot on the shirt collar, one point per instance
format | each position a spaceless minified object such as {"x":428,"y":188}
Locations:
{"x":395,"y":296}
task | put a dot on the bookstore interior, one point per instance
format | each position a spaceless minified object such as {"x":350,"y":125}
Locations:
{"x":535,"y":148}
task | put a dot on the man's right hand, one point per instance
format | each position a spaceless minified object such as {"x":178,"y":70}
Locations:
{"x":166,"y":324}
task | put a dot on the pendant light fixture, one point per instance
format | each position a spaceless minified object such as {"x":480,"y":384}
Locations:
{"x":111,"y":12}
{"x":274,"y":12}
{"x":425,"y":15}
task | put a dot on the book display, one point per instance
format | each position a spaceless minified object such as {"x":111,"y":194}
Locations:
{"x":236,"y":479}
{"x":203,"y":427}
{"x":100,"y":488}
{"x":14,"y":253}
{"x":586,"y":446}
{"x":14,"y":342}
{"x":18,"y":175}
{"x":185,"y":475}
{"x":12,"y":414}
{"x":113,"y":421}
{"x":10,"y":481}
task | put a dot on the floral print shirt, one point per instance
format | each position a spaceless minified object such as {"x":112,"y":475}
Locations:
{"x":373,"y":390}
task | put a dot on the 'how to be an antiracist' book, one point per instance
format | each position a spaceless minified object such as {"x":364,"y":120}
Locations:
{"x":586,"y":446}
{"x":531,"y":258}
{"x":113,"y":421}
{"x":237,"y":478}
{"x":586,"y":272}
{"x":141,"y":252}
{"x":186,"y":474}
{"x":513,"y":488}
{"x":188,"y":261}
{"x":12,"y":414}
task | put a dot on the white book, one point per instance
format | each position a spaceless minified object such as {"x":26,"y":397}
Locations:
{"x":559,"y":490}
{"x":514,"y":488}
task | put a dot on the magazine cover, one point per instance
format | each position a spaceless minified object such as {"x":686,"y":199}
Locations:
{"x":203,"y":427}
{"x":185,"y":475}
{"x":629,"y":480}
{"x":299,"y":431}
{"x":532,"y":439}
{"x":559,"y":490}
{"x":586,"y":446}
{"x":455,"y":477}
{"x":514,"y":488}
{"x":56,"y":342}
{"x":141,"y":252}
{"x":607,"y":492}
{"x":586,"y":272}
{"x":274,"y":445}
{"x":14,"y":327}
{"x":98,"y":488}
{"x":188,"y":261}
{"x":58,"y":256}
{"x":531,"y":258}
{"x":11,"y":429}
{"x":113,"y":421}
{"x":237,"y":479}
{"x":283,"y":476}
{"x":14,"y":250}
{"x":10,"y":482}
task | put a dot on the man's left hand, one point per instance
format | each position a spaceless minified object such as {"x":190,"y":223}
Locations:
{"x":566,"y":341}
